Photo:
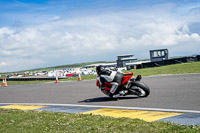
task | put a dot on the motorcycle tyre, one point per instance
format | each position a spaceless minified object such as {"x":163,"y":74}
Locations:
{"x":142,"y":86}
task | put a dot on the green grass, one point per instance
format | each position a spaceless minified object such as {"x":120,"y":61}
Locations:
{"x":193,"y":67}
{"x":18,"y":121}
{"x":85,"y":77}
{"x":88,"y":77}
{"x":28,"y":82}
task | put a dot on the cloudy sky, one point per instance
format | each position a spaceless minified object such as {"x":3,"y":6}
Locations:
{"x":36,"y":34}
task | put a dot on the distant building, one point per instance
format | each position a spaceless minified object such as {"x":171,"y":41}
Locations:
{"x":136,"y":65}
{"x":103,"y":64}
{"x":123,"y":59}
{"x":159,"y":55}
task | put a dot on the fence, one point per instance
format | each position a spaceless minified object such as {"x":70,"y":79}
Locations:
{"x":171,"y":61}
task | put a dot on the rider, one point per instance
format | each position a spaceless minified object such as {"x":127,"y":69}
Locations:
{"x":112,"y":76}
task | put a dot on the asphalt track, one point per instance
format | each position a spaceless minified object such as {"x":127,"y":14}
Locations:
{"x":172,"y":93}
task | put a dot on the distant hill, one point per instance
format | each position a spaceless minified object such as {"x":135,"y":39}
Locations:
{"x":76,"y":65}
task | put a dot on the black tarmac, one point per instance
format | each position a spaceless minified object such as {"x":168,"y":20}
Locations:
{"x":179,"y":92}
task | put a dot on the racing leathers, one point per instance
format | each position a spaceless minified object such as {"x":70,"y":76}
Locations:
{"x":113,"y":77}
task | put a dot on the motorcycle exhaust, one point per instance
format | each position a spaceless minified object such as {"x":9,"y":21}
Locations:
{"x":138,"y":78}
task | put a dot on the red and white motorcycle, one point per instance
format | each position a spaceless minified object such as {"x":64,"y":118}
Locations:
{"x":130,"y":85}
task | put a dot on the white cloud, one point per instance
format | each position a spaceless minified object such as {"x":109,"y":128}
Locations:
{"x":3,"y":64}
{"x":97,"y":37}
{"x":55,"y":18}
{"x":4,"y":31}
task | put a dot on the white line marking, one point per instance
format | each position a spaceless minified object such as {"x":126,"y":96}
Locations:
{"x":114,"y":107}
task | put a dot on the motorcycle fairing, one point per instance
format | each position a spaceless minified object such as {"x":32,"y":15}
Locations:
{"x":126,"y":78}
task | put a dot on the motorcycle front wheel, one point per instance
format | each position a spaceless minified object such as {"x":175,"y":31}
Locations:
{"x":140,"y":89}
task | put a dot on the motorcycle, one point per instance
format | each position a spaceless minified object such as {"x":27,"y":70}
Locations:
{"x":130,"y":85}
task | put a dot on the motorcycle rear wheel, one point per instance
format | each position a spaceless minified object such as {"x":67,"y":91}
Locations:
{"x":140,"y":89}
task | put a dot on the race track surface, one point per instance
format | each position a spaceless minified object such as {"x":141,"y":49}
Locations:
{"x":179,"y":92}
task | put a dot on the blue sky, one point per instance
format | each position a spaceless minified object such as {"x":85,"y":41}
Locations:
{"x":35,"y":33}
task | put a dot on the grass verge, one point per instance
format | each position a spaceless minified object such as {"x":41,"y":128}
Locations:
{"x":33,"y":121}
{"x":28,"y":82}
{"x":193,"y":67}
